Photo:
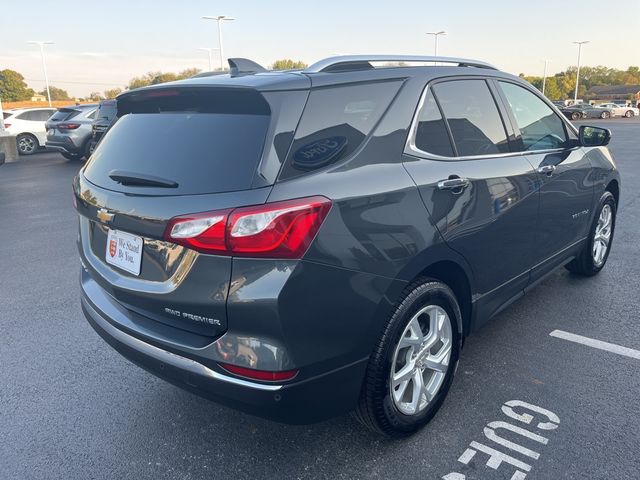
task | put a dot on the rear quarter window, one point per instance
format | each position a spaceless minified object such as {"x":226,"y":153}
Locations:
{"x":335,"y":122}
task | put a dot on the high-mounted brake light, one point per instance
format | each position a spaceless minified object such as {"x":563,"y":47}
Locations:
{"x":273,"y":230}
{"x":264,"y":375}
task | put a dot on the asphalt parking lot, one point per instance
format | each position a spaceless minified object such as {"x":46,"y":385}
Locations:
{"x":72,"y":408}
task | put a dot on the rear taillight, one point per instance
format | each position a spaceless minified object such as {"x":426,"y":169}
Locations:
{"x":67,"y":126}
{"x":273,"y":230}
{"x":7,"y":125}
{"x":263,"y":375}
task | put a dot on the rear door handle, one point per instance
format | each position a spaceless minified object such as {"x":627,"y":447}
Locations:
{"x":548,"y":169}
{"x":454,"y":184}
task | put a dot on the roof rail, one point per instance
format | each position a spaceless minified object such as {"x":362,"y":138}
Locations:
{"x":357,"y":61}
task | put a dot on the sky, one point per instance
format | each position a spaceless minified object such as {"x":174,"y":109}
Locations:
{"x":101,"y":45}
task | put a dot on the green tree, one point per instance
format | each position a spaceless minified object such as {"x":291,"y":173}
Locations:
{"x":56,"y":93}
{"x":112,"y":93}
{"x":95,"y":96}
{"x":13,"y":87}
{"x":154,"y":78}
{"x":288,"y":64}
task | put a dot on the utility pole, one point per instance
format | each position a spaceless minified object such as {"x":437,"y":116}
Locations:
{"x":544,"y":77}
{"x":209,"y":50}
{"x":220,"y":19}
{"x":435,"y":37}
{"x":44,"y":65}
{"x":575,"y":96}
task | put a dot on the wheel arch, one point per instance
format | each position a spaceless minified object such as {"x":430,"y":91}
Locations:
{"x":614,"y":187}
{"x":443,"y":264}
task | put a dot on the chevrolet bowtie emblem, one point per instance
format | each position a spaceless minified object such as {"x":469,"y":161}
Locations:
{"x":104,"y":215}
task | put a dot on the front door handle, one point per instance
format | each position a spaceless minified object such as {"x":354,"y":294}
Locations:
{"x":454,"y":184}
{"x":547,"y":169}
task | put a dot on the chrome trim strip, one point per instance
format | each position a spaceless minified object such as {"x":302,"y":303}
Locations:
{"x":177,"y":361}
{"x":331,"y":61}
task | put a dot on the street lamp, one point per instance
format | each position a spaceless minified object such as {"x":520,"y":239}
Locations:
{"x":435,"y":37}
{"x":44,"y":64}
{"x":575,"y":96}
{"x":544,"y":76}
{"x":209,"y":50}
{"x":220,"y":19}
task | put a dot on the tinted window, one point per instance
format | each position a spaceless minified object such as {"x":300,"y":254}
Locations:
{"x":204,"y":151}
{"x":473,"y":117}
{"x":539,"y":126}
{"x":43,"y":115}
{"x":63,"y":114}
{"x":28,"y":115}
{"x":431,"y":134}
{"x":334,"y":124}
{"x":107,"y":111}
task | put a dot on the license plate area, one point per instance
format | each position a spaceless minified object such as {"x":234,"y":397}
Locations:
{"x":124,"y":251}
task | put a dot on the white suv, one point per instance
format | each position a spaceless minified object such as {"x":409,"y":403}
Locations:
{"x":27,"y":124}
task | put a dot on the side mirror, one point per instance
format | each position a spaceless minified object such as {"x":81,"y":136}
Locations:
{"x":594,"y":136}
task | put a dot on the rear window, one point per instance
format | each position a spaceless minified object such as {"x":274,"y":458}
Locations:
{"x":334,"y":124}
{"x":206,"y":141}
{"x":63,"y":114}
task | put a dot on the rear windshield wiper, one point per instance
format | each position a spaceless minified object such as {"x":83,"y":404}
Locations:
{"x":140,"y":179}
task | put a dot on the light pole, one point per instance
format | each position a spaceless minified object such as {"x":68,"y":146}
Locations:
{"x":44,"y":65}
{"x":544,"y":76}
{"x":209,"y":50}
{"x":220,"y":19}
{"x":435,"y":37}
{"x":575,"y":95}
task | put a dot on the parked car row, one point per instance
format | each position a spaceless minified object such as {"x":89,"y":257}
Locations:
{"x":604,"y":111}
{"x":73,"y":131}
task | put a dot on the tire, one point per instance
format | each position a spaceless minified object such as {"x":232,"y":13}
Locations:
{"x":591,"y":260}
{"x":27,"y":144}
{"x":71,"y":156}
{"x":576,"y":116}
{"x":91,"y":147}
{"x":605,"y":115}
{"x":88,"y":149}
{"x":628,"y":113}
{"x":425,"y":302}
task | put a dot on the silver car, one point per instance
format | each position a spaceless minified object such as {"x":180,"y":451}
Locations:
{"x":69,"y":130}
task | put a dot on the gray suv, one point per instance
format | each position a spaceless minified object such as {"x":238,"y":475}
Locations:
{"x":69,"y":131}
{"x":302,"y":244}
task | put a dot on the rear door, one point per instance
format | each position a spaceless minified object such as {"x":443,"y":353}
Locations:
{"x":564,"y":172}
{"x":482,"y":198}
{"x":171,"y":152}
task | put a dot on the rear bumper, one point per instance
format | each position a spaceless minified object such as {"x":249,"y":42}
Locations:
{"x":310,"y":400}
{"x":62,"y":147}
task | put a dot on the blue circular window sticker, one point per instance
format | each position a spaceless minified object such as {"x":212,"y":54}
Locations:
{"x":319,"y":152}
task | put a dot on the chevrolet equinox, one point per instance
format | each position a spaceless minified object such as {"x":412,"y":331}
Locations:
{"x":301,"y":244}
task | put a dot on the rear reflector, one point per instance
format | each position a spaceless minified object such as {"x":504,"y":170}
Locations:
{"x":273,"y":230}
{"x":262,"y":375}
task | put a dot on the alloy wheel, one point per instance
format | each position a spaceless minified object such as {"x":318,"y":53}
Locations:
{"x":602,"y":236}
{"x":26,"y":145}
{"x":421,"y":360}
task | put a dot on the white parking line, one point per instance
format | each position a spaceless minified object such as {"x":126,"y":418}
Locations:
{"x":590,"y":342}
